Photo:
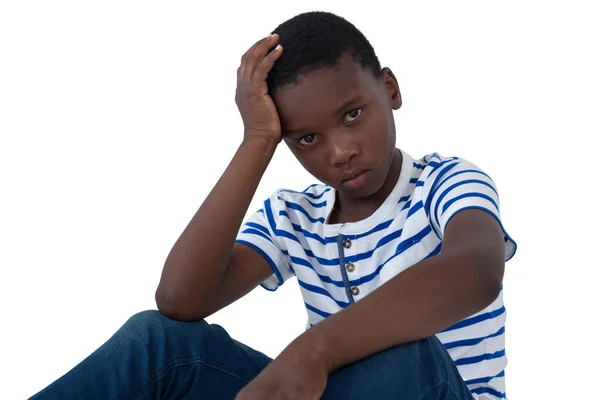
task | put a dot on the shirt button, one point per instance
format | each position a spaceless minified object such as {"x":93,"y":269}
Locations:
{"x":355,"y":291}
{"x":347,"y":244}
{"x":350,"y":267}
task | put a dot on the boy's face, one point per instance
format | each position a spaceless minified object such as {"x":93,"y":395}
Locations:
{"x":334,"y":140}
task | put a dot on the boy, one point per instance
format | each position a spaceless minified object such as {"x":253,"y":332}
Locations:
{"x":394,"y":256}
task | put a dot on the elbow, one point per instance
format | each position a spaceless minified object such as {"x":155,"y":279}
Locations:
{"x":173,"y":309}
{"x":164,"y":304}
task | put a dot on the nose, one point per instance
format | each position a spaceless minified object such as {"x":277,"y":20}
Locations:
{"x":341,"y":149}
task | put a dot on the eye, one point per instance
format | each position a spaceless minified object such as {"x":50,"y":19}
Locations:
{"x":308,"y":140}
{"x":354,"y":114}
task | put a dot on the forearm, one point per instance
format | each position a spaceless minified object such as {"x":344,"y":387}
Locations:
{"x":196,"y":263}
{"x":417,"y":303}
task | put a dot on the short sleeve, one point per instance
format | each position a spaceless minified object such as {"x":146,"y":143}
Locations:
{"x":455,"y":185}
{"x":258,"y":233}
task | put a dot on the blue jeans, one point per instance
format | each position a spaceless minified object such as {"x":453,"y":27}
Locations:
{"x":154,"y":357}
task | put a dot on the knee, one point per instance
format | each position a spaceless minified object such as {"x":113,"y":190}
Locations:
{"x":153,"y":323}
{"x":146,"y":318}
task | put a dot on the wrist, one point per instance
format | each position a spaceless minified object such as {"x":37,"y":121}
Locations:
{"x":258,"y":146}
{"x":313,"y":347}
{"x":265,"y":142}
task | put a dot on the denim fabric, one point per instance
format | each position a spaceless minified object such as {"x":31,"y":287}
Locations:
{"x":153,"y":357}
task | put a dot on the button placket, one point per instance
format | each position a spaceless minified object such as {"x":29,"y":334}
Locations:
{"x":350,"y":267}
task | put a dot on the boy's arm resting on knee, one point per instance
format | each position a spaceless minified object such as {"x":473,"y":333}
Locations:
{"x":245,"y":271}
{"x":205,"y":269}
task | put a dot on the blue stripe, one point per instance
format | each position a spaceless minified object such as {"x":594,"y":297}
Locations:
{"x":476,"y":319}
{"x":460,"y":183}
{"x":382,"y":242}
{"x":303,"y":262}
{"x":308,"y":234}
{"x":405,"y":198}
{"x":449,"y":202}
{"x":414,"y":209}
{"x":403,"y":246}
{"x":314,"y":205}
{"x":317,"y":205}
{"x":412,"y":240}
{"x":446,"y":179}
{"x":257,"y":233}
{"x":322,"y":261}
{"x":418,"y":166}
{"x":380,"y":227}
{"x":316,"y":310}
{"x":464,"y":171}
{"x":472,"y":342}
{"x":419,"y":183}
{"x":362,"y":256}
{"x":320,"y":290}
{"x":469,"y":194}
{"x":435,"y":251}
{"x":266,"y":256}
{"x":491,"y":391}
{"x":483,"y":357}
{"x":312,"y":196}
{"x":413,"y":180}
{"x":438,"y":166}
{"x":331,"y":239}
{"x":487,"y":379}
{"x":298,"y":207}
{"x":271,"y":219}
{"x":310,"y":186}
{"x":468,"y":181}
{"x":435,"y":181}
{"x":259,"y":227}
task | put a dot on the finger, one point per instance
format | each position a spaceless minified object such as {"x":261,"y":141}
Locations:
{"x":243,"y":63}
{"x":256,"y":56}
{"x":266,"y":64}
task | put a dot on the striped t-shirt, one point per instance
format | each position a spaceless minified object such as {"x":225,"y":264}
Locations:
{"x":338,"y":264}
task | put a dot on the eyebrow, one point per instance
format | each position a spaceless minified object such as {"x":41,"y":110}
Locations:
{"x":347,"y":102}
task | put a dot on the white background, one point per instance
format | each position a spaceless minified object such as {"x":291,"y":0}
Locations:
{"x":118,"y":117}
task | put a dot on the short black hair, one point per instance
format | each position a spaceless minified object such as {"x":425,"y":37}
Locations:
{"x":314,"y":40}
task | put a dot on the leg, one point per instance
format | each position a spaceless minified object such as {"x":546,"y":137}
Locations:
{"x":421,"y":370}
{"x":153,"y":357}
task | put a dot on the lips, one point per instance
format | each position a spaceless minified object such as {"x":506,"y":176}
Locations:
{"x":351,"y":174}
{"x":354,"y":179}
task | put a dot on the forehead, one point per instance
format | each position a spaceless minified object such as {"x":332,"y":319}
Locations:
{"x":321,"y":92}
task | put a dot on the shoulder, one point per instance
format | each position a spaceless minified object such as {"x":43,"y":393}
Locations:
{"x":437,"y":168}
{"x":311,"y":203}
{"x":314,"y":196}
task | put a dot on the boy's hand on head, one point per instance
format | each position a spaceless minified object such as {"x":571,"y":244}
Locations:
{"x":256,"y":106}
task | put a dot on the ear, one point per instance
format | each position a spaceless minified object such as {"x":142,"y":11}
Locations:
{"x":390,"y":83}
